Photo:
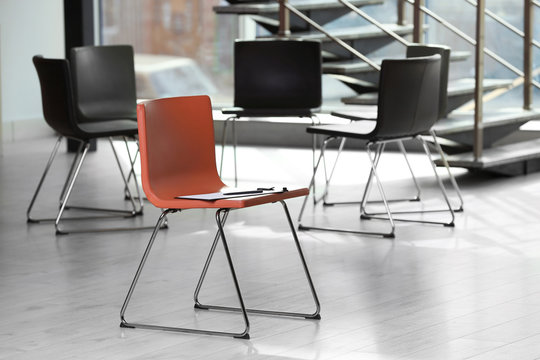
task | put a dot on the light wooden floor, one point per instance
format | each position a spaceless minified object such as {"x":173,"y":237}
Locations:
{"x":469,"y":292}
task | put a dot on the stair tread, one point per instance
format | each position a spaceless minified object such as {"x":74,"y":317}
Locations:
{"x":353,"y":33}
{"x":460,"y":121}
{"x":343,"y":67}
{"x":273,"y":7}
{"x":456,"y":87}
{"x":496,"y":156}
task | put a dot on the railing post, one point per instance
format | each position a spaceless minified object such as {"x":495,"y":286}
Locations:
{"x":479,"y":80}
{"x":528,"y":30}
{"x":401,"y":12}
{"x":284,"y":22}
{"x":418,"y":16}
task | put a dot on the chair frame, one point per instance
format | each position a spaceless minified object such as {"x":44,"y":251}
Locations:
{"x":67,"y":188}
{"x":221,"y":218}
{"x":375,"y":147}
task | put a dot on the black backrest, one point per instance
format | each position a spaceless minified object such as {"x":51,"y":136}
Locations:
{"x":56,"y":94}
{"x":104,"y":81}
{"x":418,"y":50}
{"x":272,"y":74}
{"x":408,"y":97}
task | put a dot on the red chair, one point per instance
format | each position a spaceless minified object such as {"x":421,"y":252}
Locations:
{"x":177,"y":159}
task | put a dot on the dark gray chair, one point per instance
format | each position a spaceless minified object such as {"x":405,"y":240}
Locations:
{"x":60,"y":113}
{"x":413,"y":50}
{"x":408,"y":106}
{"x":274,"y":78}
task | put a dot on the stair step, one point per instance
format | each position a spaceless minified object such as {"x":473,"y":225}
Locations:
{"x":355,"y":66}
{"x":273,"y":7}
{"x":460,"y":91}
{"x":464,"y":121}
{"x":512,"y":159}
{"x":354,"y":33}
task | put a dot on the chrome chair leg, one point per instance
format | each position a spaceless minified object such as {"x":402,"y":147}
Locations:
{"x":380,"y":149}
{"x":29,"y":217}
{"x":328,"y":179}
{"x":367,"y":215}
{"x":70,"y":172}
{"x":453,"y":181}
{"x":133,"y":212}
{"x":404,"y":152}
{"x":235,"y":144}
{"x":220,"y":221}
{"x":232,"y":119}
{"x":314,"y":315}
{"x":70,"y":187}
{"x":303,"y":227}
{"x":112,"y":212}
{"x":133,"y":161}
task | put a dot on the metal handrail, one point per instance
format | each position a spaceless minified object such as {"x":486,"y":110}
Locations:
{"x":374,"y":22}
{"x":504,"y":23}
{"x":337,"y":40}
{"x":472,"y":41}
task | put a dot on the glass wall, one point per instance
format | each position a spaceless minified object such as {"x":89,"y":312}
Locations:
{"x":181,"y":46}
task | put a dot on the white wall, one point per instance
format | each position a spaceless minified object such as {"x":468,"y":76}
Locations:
{"x":28,"y":28}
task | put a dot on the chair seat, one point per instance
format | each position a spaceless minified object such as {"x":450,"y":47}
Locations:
{"x":109,"y":128}
{"x":361,"y":129}
{"x":234,"y":203}
{"x":277,"y":112}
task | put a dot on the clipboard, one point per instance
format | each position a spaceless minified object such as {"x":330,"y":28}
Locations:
{"x":231,"y":193}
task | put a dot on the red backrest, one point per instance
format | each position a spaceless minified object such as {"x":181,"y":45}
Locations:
{"x":177,"y":148}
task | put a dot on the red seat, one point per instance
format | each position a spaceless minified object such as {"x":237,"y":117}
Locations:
{"x":177,"y":159}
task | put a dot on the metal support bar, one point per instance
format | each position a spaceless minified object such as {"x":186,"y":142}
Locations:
{"x":528,"y":26}
{"x":479,"y":81}
{"x":401,"y":12}
{"x":284,"y":19}
{"x":418,"y":20}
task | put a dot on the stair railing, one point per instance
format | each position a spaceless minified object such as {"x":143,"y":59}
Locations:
{"x":284,"y":30}
{"x":480,"y":50}
{"x":389,"y":32}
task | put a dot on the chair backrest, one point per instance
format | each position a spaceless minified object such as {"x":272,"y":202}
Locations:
{"x":277,"y":74}
{"x":176,"y":137}
{"x":104,"y":81}
{"x":408,"y":97}
{"x":56,"y":94}
{"x":419,"y":50}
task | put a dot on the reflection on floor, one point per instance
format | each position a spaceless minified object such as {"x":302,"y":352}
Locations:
{"x":469,"y":292}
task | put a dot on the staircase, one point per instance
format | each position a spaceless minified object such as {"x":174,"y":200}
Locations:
{"x":472,"y":134}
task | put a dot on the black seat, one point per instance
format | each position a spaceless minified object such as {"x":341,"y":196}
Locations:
{"x":60,"y":113}
{"x":274,"y":78}
{"x":408,"y":106}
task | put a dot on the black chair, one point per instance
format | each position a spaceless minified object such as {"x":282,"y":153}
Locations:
{"x":413,"y":50}
{"x":407,"y":109}
{"x":105,"y":89}
{"x":274,"y":78}
{"x":60,"y":113}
